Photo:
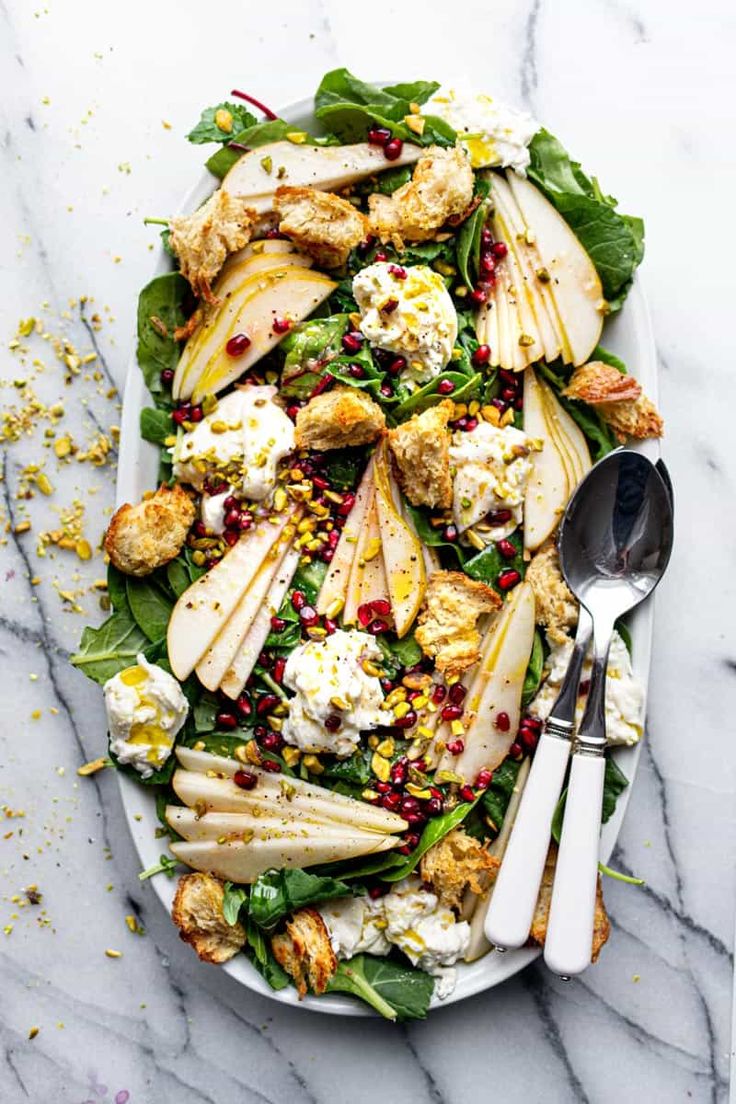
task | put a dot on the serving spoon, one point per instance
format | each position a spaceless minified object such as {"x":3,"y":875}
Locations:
{"x":617,"y":534}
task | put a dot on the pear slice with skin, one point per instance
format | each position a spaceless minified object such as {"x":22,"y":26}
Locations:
{"x":216,"y":661}
{"x":501,"y":681}
{"x":568,"y":433}
{"x":188,"y":824}
{"x":204,"y":607}
{"x":335,"y":584}
{"x":241,"y":862}
{"x":258,"y":173}
{"x":402,"y":550}
{"x":367,"y":581}
{"x":247,"y":654}
{"x":574,"y":283}
{"x":548,"y":489}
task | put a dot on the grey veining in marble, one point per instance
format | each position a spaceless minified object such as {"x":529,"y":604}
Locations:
{"x":95,"y":101}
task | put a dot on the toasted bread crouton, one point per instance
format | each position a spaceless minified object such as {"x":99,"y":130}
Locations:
{"x":323,"y":225}
{"x":339,"y":418}
{"x":601,"y":923}
{"x":197,"y":913}
{"x":618,"y":399}
{"x":555,"y":606}
{"x":141,"y":538}
{"x":457,"y":863}
{"x":203,"y":239}
{"x":421,"y":450}
{"x":446,"y":630}
{"x":305,"y":951}
{"x":441,"y":188}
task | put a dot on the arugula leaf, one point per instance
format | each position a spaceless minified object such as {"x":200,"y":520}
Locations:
{"x":110,"y":648}
{"x":435,"y":830}
{"x":150,"y":607}
{"x":348,"y":107}
{"x":165,"y":865}
{"x":614,"y":242}
{"x":263,"y":959}
{"x":533,"y":676}
{"x":163,"y":304}
{"x":614,"y":784}
{"x":495,"y":800}
{"x":488,"y":564}
{"x":395,"y":991}
{"x":468,"y":238}
{"x":234,"y":898}
{"x":155,"y":425}
{"x":278,"y":892}
{"x":207,"y":129}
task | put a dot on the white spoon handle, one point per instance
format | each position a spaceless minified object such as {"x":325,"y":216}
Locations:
{"x":515,"y":893}
{"x":569,"y":941}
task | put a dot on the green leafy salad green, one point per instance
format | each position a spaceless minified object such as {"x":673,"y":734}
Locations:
{"x":329,"y":625}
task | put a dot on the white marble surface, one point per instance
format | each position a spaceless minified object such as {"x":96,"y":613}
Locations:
{"x":642,"y":91}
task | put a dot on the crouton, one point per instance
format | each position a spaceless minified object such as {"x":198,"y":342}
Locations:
{"x":305,"y":951}
{"x":339,"y":418}
{"x":556,"y":608}
{"x":203,"y":239}
{"x":446,"y":628}
{"x":441,"y":189}
{"x":141,"y":538}
{"x":618,"y":399}
{"x":455,"y":864}
{"x":197,"y":913}
{"x":601,"y":923}
{"x":421,"y":450}
{"x":323,"y":225}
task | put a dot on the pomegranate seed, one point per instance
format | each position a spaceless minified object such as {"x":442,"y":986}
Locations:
{"x":356,"y":371}
{"x":365,"y":614}
{"x":515,"y":751}
{"x":298,"y":600}
{"x":200,"y":529}
{"x":180,"y":416}
{"x":278,"y":624}
{"x":499,"y":404}
{"x":392,"y":150}
{"x":519,"y":403}
{"x":386,"y":390}
{"x":386,"y":685}
{"x":452,"y":713}
{"x":471,"y":424}
{"x":167,"y":376}
{"x":379,"y":626}
{"x":433,"y":807}
{"x":398,"y":271}
{"x":328,"y":624}
{"x":237,"y":345}
{"x":408,"y":720}
{"x":232,"y":517}
{"x":439,"y":694}
{"x":273,"y":233}
{"x":376,"y":891}
{"x":508,"y":579}
{"x":308,"y":616}
{"x":478,"y":295}
{"x":482,"y":355}
{"x":260,"y":731}
{"x":266,"y":704}
{"x":450,"y":533}
{"x":391,"y":801}
{"x":246,"y":520}
{"x":466,"y":793}
{"x":230,"y":537}
{"x":414,"y":819}
{"x":506,"y":549}
{"x":399,"y":772}
{"x":272,"y":741}
{"x":409,"y":805}
{"x":379,"y":136}
{"x":484,"y":779}
{"x":499,"y":517}
{"x":381,"y":606}
{"x":292,"y":410}
{"x":281,"y":325}
{"x":488,"y":264}
{"x":508,"y":393}
{"x":457,"y":693}
{"x":333,"y":538}
{"x":278,"y":669}
{"x":383,"y":787}
{"x":456,"y":747}
{"x":348,"y":501}
{"x":397,"y":366}
{"x":271,"y":765}
{"x":245,"y":779}
{"x":366,"y":245}
{"x":527,"y":738}
{"x":244,"y":705}
{"x":502,"y":722}
{"x":332,"y":723}
{"x":226,"y":720}
{"x":499,"y":250}
{"x":231,"y":503}
{"x":412,"y":840}
{"x":445,"y":387}
{"x":389,"y":306}
{"x":381,"y":256}
{"x":351,"y":342}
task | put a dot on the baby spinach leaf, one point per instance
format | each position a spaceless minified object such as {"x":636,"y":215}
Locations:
{"x":160,"y":777}
{"x":259,"y":134}
{"x":396,"y":991}
{"x":110,"y":648}
{"x":278,"y":892}
{"x":624,"y":632}
{"x":116,"y":589}
{"x":495,"y":800}
{"x":182,"y":572}
{"x":400,"y":653}
{"x":533,"y":676}
{"x":163,"y":305}
{"x":388,"y":182}
{"x":432,"y":535}
{"x":468,"y":238}
{"x":150,"y":607}
{"x":614,"y":784}
{"x":360,"y":868}
{"x":466,"y":388}
{"x":488,"y":564}
{"x":262,"y":958}
{"x":599,"y":353}
{"x":309,"y":347}
{"x":348,"y":107}
{"x":205,"y":710}
{"x":614,"y":242}
{"x":155,"y":425}
{"x":207,"y":129}
{"x":234,"y":897}
{"x":434,"y":831}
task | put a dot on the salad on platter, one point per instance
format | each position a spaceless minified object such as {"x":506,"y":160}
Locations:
{"x":338,"y":623}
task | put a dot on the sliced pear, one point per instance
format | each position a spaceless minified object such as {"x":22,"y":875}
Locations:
{"x":247,"y":654}
{"x":501,"y":681}
{"x":402,"y":550}
{"x":568,"y":434}
{"x":216,"y":661}
{"x":253,"y":825}
{"x":258,"y":173}
{"x":205,"y":606}
{"x":242,"y":862}
{"x":549,"y":488}
{"x":335,"y":584}
{"x":367,"y":581}
{"x":574,"y":283}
